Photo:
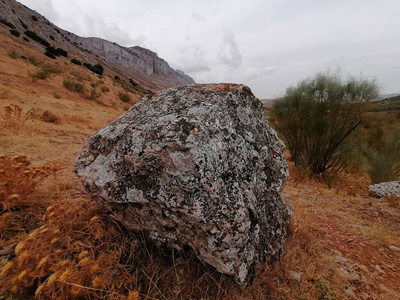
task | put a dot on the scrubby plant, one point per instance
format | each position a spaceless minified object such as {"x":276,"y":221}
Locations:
{"x":53,"y":51}
{"x":95,"y":94}
{"x":15,"y":33}
{"x":56,"y":95}
{"x":50,"y":117}
{"x":62,"y":52}
{"x":385,"y":159}
{"x":74,"y":86}
{"x":37,"y":38}
{"x":104,"y":89}
{"x":44,"y":72}
{"x":8,"y":24}
{"x":49,"y":54}
{"x":34,"y":18}
{"x":23,"y":24}
{"x":318,"y":114}
{"x":51,"y":37}
{"x":18,"y":179}
{"x":13,"y":54}
{"x":13,"y":117}
{"x":26,"y":39}
{"x":34,"y":60}
{"x":124,"y":97}
{"x":76,"y":62}
{"x":76,"y":254}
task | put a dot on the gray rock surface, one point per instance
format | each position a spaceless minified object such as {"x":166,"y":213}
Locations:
{"x":195,"y":166}
{"x":383,"y":189}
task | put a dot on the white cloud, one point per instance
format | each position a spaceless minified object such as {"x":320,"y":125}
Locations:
{"x":254,"y":73}
{"x":192,"y":58}
{"x":229,"y":53}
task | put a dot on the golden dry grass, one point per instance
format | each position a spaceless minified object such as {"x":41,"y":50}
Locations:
{"x":59,"y":244}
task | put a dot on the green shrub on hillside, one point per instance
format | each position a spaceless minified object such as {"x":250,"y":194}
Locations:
{"x":318,"y":114}
{"x":13,"y":54}
{"x":124,"y":97}
{"x":15,"y":33}
{"x":385,"y":159}
{"x":74,"y":86}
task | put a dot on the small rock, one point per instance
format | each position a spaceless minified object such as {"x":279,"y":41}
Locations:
{"x":295,"y":275}
{"x":394,"y":248}
{"x":380,"y":190}
{"x":380,"y":271}
{"x":350,"y":292}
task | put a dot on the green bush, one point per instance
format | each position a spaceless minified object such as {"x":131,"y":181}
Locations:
{"x":124,"y":97}
{"x":49,"y":54}
{"x":95,"y":94}
{"x":56,"y":95}
{"x":34,"y":18}
{"x":76,"y":62}
{"x":318,"y":114}
{"x":45,"y":72}
{"x":13,"y":54}
{"x":34,"y":60}
{"x":15,"y":32}
{"x":62,"y":52}
{"x":104,"y":89}
{"x":8,"y":24}
{"x":37,"y":38}
{"x":74,"y":86}
{"x":385,"y":159}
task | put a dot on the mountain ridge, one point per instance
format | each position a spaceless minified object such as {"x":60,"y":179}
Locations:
{"x":137,"y":63}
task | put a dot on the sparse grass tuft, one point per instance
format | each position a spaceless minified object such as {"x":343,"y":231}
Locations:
{"x":34,"y":60}
{"x":74,"y":86}
{"x":13,"y":54}
{"x":18,"y":179}
{"x":124,"y":97}
{"x":45,"y":72}
{"x":56,"y":95}
{"x":50,"y":117}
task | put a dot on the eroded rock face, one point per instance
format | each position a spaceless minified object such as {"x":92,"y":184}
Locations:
{"x":383,"y":189}
{"x":195,"y":166}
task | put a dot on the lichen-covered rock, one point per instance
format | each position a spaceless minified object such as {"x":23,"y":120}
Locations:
{"x":380,"y":190}
{"x":195,"y":166}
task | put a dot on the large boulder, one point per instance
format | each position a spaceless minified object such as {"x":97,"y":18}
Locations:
{"x":195,"y":166}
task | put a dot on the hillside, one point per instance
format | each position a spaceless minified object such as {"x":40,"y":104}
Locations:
{"x":58,"y":244}
{"x":140,"y":65}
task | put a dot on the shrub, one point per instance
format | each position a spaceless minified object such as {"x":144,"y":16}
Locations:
{"x":95,"y":94}
{"x":26,"y":39}
{"x":13,"y":54}
{"x":45,"y":72}
{"x":318,"y":114}
{"x":34,"y":60}
{"x":13,"y":117}
{"x":104,"y":89}
{"x":133,"y":83}
{"x":124,"y":97}
{"x":98,"y":69}
{"x":18,"y":180}
{"x":23,"y":24}
{"x":52,"y":50}
{"x":37,"y":38}
{"x":385,"y":160}
{"x":62,"y":52}
{"x":8,"y":24}
{"x":74,"y":86}
{"x":56,"y":95}
{"x":49,"y":54}
{"x":51,"y":37}
{"x":50,"y":117}
{"x":15,"y":33}
{"x":116,"y":78}
{"x":34,"y":18}
{"x":76,"y":62}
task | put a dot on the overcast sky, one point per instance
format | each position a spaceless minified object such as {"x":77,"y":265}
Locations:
{"x":267,"y":45}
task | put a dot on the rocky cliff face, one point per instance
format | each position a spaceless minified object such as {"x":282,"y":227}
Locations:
{"x":140,"y":64}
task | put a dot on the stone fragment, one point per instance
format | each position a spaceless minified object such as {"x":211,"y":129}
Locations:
{"x":383,"y":189}
{"x":195,"y":166}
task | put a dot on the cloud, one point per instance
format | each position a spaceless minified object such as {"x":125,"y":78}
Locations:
{"x":199,"y":18}
{"x":253,"y":73}
{"x":142,"y":41}
{"x":192,"y":58}
{"x":229,"y":53}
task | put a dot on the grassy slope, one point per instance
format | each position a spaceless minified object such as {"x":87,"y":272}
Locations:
{"x":338,"y":246}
